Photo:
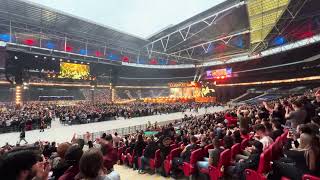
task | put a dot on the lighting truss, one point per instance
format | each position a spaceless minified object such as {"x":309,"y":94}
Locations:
{"x":206,"y":46}
{"x":185,"y":33}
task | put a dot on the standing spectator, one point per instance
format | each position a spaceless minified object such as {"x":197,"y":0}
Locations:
{"x":72,"y":158}
{"x":138,"y":148}
{"x":243,"y":116}
{"x":91,"y":167}
{"x":23,"y":137}
{"x":276,"y":129}
{"x":116,"y":140}
{"x":295,"y":115}
{"x":59,"y":165}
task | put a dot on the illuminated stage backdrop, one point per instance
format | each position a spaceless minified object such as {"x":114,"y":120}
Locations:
{"x":184,"y":89}
{"x":74,"y":71}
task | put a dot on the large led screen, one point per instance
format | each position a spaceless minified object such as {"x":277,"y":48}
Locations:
{"x":211,"y":74}
{"x":74,"y":71}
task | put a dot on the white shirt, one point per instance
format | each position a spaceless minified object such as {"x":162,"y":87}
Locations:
{"x":266,"y":141}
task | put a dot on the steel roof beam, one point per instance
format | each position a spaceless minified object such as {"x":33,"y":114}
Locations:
{"x":225,"y":39}
{"x":188,"y":27}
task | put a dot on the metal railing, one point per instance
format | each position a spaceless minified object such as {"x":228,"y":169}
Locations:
{"x":127,"y":130}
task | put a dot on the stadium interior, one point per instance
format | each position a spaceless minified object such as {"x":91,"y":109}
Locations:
{"x":230,"y":93}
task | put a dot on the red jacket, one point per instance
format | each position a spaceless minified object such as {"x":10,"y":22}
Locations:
{"x":70,"y":173}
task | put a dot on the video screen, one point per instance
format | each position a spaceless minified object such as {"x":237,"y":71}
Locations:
{"x":74,"y":71}
{"x":226,"y":72}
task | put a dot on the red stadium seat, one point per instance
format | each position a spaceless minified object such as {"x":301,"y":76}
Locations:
{"x":139,"y":159}
{"x":215,"y":173}
{"x":130,"y":158}
{"x":276,"y":148}
{"x":221,"y":142}
{"x":244,"y":143}
{"x":231,"y":121}
{"x":206,"y":150}
{"x":264,"y":166}
{"x":156,"y":161}
{"x":173,"y":146}
{"x":119,"y":154}
{"x":285,"y":178}
{"x":189,"y":168}
{"x":124,"y":155}
{"x":310,"y":177}
{"x":235,"y":149}
{"x":167,"y":164}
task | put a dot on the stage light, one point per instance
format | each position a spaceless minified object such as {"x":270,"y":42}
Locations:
{"x":238,"y":42}
{"x":29,"y":42}
{"x":44,"y":57}
{"x":61,"y":60}
{"x":68,"y":49}
{"x":222,"y":77}
{"x":98,"y":53}
{"x":5,"y":37}
{"x":153,"y":61}
{"x":16,"y":57}
{"x":83,"y":52}
{"x":125,"y":59}
{"x":18,"y":95}
{"x":50,"y":45}
{"x":279,"y":40}
{"x":53,"y":59}
{"x":113,"y":57}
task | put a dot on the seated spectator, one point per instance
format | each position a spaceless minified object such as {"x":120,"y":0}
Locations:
{"x":262,"y":137}
{"x":185,"y":155}
{"x":91,"y":167}
{"x":149,"y":153}
{"x":299,"y":161}
{"x":276,"y":130}
{"x":252,"y":162}
{"x":227,"y":142}
{"x":138,"y":148}
{"x":214,"y":155}
{"x":236,"y":135}
{"x":244,"y":133}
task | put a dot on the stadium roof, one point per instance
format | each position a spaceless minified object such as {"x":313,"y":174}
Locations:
{"x":25,"y":13}
{"x":232,"y":29}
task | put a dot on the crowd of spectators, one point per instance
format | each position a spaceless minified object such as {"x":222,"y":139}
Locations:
{"x":31,"y":115}
{"x":258,"y":125}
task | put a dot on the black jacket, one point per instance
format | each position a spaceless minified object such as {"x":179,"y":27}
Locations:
{"x":150,"y":150}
